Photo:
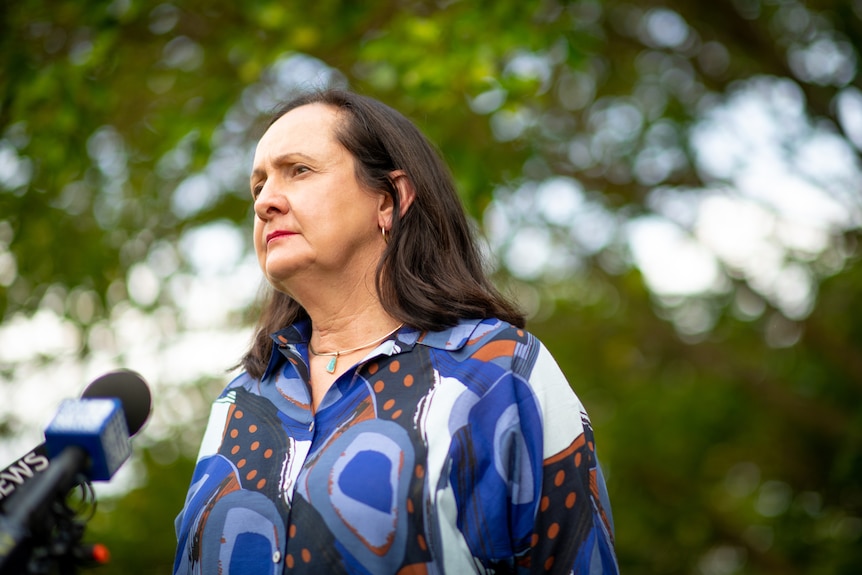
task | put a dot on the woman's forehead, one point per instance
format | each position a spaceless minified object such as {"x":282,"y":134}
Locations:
{"x":303,"y":129}
{"x":304,"y":122}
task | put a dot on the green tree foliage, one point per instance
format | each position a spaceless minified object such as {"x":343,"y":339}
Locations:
{"x":728,"y":413}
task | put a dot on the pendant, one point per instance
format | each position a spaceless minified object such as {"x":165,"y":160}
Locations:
{"x":330,"y":367}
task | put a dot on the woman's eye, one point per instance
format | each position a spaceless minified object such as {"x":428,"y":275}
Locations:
{"x":255,"y":190}
{"x":300,"y":169}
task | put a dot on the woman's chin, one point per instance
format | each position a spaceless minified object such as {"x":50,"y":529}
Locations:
{"x":278,"y":274}
{"x":281,"y":272}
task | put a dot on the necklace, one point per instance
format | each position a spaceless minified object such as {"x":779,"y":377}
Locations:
{"x":330,"y":367}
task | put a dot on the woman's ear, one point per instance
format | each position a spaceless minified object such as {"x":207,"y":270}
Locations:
{"x":406,"y":195}
{"x":406,"y":191}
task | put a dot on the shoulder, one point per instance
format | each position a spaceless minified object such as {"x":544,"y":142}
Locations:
{"x":242,"y":380}
{"x":528,"y":360}
{"x":498,"y":340}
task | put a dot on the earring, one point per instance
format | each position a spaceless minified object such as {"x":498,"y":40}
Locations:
{"x":383,"y":231}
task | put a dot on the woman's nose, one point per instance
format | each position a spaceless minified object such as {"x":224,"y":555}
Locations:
{"x":269,"y":202}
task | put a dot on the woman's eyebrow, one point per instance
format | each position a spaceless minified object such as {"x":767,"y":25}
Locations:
{"x":281,"y":160}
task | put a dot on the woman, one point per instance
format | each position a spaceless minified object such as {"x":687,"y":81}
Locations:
{"x":393,"y":415}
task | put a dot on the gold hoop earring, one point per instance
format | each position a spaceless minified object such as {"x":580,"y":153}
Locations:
{"x":383,"y":231}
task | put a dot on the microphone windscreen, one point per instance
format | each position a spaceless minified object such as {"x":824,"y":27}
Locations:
{"x":132,"y":391}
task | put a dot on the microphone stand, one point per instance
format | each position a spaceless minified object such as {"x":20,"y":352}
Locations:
{"x":39,"y":527}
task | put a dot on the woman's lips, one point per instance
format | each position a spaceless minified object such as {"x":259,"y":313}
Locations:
{"x":277,"y":234}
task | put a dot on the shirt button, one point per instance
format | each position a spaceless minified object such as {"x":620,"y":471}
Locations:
{"x":276,"y":557}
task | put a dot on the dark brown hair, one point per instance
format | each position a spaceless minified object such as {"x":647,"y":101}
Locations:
{"x":430,"y":274}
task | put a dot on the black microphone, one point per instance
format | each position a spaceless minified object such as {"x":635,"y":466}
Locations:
{"x":132,"y":391}
{"x":126,"y":385}
{"x":88,"y":439}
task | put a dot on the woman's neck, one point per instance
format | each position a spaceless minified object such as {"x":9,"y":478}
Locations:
{"x":344,"y":315}
{"x":350,"y":328}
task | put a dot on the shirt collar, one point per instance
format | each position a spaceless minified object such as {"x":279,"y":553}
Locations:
{"x":453,"y":338}
{"x":450,"y":339}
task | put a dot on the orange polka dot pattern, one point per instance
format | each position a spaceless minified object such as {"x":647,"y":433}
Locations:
{"x":395,"y":390}
{"x":253,"y":436}
{"x":565,"y":513}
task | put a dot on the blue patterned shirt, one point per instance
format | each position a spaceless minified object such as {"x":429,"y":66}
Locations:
{"x":460,"y":451}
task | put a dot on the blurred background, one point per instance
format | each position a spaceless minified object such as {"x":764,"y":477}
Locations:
{"x":672,"y":190}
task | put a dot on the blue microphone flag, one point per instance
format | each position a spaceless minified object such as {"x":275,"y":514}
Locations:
{"x":97,"y":426}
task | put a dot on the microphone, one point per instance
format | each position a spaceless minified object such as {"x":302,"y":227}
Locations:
{"x":88,"y":439}
{"x":133,"y":393}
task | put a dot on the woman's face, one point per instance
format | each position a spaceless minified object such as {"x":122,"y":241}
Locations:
{"x":313,"y":221}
